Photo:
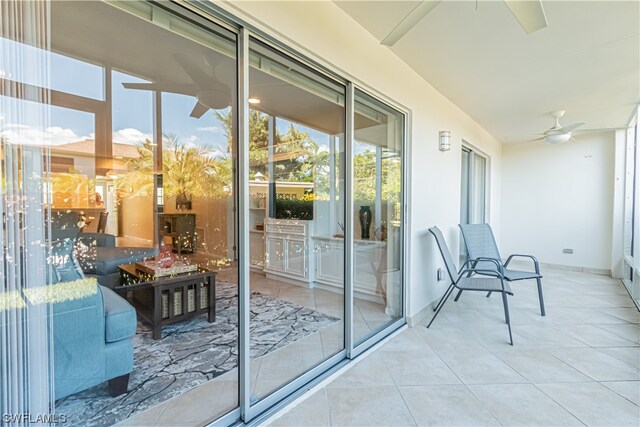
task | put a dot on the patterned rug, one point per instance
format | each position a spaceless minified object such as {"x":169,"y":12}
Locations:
{"x":191,"y":353}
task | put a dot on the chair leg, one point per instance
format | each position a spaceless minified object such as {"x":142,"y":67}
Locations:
{"x":445,"y":297}
{"x":542,"y":313}
{"x":505,"y":303}
{"x":489,"y":294}
{"x":441,"y":300}
{"x":458,"y":296}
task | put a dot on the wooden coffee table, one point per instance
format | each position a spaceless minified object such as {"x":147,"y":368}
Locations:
{"x":165,"y":300}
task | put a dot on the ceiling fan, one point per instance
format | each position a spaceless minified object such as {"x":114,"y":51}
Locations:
{"x":558,"y":134}
{"x":209,"y":91}
{"x":529,"y":14}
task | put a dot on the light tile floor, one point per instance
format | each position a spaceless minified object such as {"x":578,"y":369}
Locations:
{"x":212,"y":399}
{"x":579,"y":365}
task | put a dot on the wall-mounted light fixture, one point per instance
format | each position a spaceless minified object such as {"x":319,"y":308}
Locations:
{"x":445,"y":140}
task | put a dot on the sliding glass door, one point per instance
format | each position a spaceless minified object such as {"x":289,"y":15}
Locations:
{"x":378,"y":217}
{"x":474,"y":189}
{"x":296,"y":218}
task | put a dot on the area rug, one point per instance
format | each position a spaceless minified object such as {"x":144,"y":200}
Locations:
{"x":191,"y":353}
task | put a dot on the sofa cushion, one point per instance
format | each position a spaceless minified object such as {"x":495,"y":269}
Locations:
{"x":104,"y":261}
{"x":64,"y":263}
{"x":119,"y":316}
{"x":96,"y":239}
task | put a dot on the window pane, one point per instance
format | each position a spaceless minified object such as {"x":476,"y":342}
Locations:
{"x":142,"y":181}
{"x":296,"y":132}
{"x":377,"y":254}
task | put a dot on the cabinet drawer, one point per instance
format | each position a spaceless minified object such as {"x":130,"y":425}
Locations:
{"x":292,"y":229}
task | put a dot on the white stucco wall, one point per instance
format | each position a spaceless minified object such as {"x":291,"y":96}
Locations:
{"x":325,"y":33}
{"x":560,"y":196}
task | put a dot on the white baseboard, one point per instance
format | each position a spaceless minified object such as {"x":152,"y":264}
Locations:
{"x":527,"y":265}
{"x":423,"y":314}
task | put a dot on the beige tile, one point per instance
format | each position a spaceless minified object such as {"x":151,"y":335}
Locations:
{"x":522,"y":405}
{"x":369,"y":406}
{"x":289,"y":361}
{"x":593,"y":404}
{"x":200,"y":405}
{"x":371,"y":371}
{"x":596,"y":364}
{"x":313,"y":411}
{"x":446,"y":405}
{"x":628,"y":331}
{"x":628,"y":355}
{"x":628,"y":314}
{"x":418,"y":368}
{"x":538,"y":365}
{"x":145,"y":418}
{"x":544,"y":335}
{"x":449,"y":339}
{"x":481,"y":367}
{"x":407,"y":340}
{"x":597,"y":337}
{"x":630,"y":390}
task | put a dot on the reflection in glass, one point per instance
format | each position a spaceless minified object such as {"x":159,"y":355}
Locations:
{"x":377,"y":198}
{"x":141,"y":158}
{"x":296,"y":208}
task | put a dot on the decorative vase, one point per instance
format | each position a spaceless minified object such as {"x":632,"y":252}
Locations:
{"x":183,"y":202}
{"x":365,"y":221}
{"x":165,"y":258}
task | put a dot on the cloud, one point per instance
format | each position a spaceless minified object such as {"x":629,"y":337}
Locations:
{"x":212,"y":129}
{"x":29,"y":135}
{"x":130,"y":136}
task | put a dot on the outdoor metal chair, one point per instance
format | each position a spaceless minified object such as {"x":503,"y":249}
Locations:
{"x":480,"y":243}
{"x":464,"y":279}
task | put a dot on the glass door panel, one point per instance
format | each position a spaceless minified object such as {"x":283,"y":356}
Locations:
{"x":378,"y":225}
{"x":146,"y":132}
{"x":296,"y":212}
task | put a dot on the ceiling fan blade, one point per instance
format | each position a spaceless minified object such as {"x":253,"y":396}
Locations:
{"x":569,"y":128}
{"x":142,"y":86}
{"x":409,"y":21}
{"x":198,"y":110}
{"x":199,"y":77}
{"x":186,"y":89}
{"x":529,"y":14}
{"x":536,"y":139}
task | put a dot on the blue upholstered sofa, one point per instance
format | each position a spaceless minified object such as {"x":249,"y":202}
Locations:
{"x":92,"y":328}
{"x":92,"y":342}
{"x":96,"y":252}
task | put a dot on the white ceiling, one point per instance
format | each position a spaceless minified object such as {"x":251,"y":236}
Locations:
{"x":587,"y":61}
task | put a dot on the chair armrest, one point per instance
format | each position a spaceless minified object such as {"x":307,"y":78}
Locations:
{"x":499,"y":272}
{"x":98,"y":239}
{"x":534,"y":259}
{"x":475,"y":262}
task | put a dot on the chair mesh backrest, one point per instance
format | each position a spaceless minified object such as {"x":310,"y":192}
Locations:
{"x":444,"y":251}
{"x":479,"y":241}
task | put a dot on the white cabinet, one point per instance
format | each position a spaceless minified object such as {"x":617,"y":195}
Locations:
{"x":287,"y":248}
{"x":274,"y":254}
{"x":368,"y":278}
{"x":256,"y":249}
{"x":329,"y":261}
